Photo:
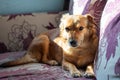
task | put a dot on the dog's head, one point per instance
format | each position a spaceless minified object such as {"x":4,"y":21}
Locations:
{"x":77,"y":29}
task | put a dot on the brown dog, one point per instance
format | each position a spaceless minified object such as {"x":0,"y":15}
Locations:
{"x":73,"y":48}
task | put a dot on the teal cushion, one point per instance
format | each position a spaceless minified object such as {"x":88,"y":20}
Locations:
{"x":28,"y":6}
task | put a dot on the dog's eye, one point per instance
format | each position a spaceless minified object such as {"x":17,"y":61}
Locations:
{"x":81,"y":28}
{"x":67,"y":29}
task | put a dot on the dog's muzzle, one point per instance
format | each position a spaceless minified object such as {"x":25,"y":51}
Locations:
{"x":72,"y":42}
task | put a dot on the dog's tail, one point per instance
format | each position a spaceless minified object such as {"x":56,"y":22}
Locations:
{"x":23,"y":60}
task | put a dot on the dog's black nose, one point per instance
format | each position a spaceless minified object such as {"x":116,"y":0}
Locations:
{"x":72,"y":43}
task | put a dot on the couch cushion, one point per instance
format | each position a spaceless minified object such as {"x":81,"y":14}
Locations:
{"x":17,"y":31}
{"x":108,"y":59}
{"x":32,"y":71}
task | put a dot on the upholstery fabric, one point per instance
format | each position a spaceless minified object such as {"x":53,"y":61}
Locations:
{"x":17,"y":31}
{"x":32,"y":71}
{"x":108,"y":59}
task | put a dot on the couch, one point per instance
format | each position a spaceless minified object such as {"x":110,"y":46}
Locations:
{"x":17,"y":31}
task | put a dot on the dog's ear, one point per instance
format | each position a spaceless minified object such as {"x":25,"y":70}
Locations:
{"x":90,"y":20}
{"x":92,"y":25}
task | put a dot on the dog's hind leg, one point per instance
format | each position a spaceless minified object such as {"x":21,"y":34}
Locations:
{"x":45,"y":51}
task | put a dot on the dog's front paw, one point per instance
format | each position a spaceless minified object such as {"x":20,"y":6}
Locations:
{"x":89,"y":75}
{"x":77,"y":74}
{"x":53,"y":62}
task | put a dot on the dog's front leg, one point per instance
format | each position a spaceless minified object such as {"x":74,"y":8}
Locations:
{"x":89,"y":73}
{"x":71,"y":68}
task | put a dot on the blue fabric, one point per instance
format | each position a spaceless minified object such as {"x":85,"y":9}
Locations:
{"x":28,"y":6}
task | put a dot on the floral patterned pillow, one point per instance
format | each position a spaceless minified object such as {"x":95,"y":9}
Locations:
{"x":17,"y":31}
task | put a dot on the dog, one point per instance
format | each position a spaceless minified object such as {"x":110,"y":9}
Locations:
{"x":74,"y":46}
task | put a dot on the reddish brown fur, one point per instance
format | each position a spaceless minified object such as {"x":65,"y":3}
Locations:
{"x":54,"y":50}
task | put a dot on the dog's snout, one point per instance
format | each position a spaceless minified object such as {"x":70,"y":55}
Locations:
{"x":73,"y":43}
